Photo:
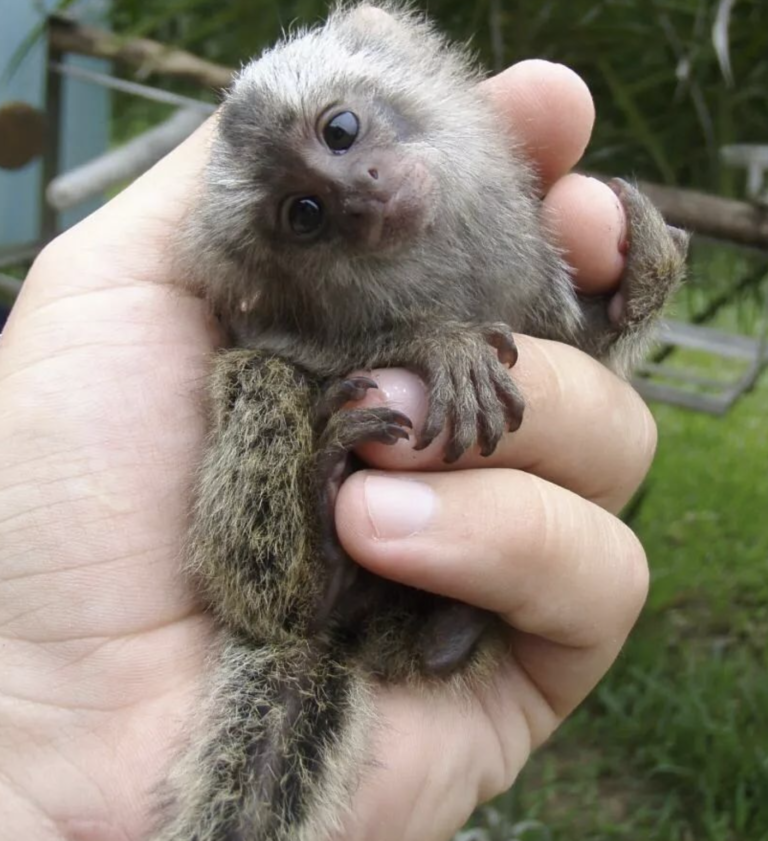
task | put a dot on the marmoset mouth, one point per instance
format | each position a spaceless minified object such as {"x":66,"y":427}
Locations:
{"x":376,"y":224}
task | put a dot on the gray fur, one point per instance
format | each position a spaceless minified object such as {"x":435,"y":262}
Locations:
{"x":439,"y":287}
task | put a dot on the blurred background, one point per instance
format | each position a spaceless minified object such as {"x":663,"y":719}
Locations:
{"x":673,"y":746}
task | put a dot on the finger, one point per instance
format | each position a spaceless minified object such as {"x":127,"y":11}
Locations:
{"x":549,"y":112}
{"x":557,"y":568}
{"x":583,"y":429}
{"x":588,"y":222}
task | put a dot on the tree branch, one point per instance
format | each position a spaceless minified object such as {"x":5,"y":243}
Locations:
{"x":146,"y":57}
{"x":725,"y":219}
{"x":129,"y":161}
{"x":703,"y":213}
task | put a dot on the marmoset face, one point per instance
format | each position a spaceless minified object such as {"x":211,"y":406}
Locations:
{"x":349,"y":174}
{"x":356,"y":156}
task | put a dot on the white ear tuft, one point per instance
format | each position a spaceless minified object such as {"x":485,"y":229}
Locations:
{"x":373,"y":19}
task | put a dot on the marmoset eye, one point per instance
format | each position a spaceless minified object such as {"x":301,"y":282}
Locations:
{"x":341,"y":131}
{"x":305,"y":216}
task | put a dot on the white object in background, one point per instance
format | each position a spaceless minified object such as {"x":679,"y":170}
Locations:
{"x":123,"y":164}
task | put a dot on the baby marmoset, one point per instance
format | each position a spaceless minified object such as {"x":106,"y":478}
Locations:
{"x":363,"y":202}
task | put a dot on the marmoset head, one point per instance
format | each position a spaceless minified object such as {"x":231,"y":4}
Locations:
{"x":341,"y":147}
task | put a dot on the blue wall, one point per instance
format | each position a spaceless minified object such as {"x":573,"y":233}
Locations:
{"x":85,"y":115}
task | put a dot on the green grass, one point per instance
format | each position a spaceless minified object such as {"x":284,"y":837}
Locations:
{"x":673,"y":746}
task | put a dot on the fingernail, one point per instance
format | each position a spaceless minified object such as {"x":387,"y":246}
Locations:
{"x":623,"y":243}
{"x":398,"y":508}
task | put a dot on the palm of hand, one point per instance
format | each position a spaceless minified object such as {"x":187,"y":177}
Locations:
{"x":103,"y":639}
{"x":99,"y":394}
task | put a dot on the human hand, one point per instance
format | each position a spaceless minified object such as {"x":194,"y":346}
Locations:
{"x":102,"y":367}
{"x":534,"y":538}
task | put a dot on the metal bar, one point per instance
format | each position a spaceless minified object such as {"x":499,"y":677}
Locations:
{"x":49,"y":218}
{"x":744,"y":154}
{"x":713,"y":404}
{"x":123,"y":164}
{"x":133,"y":88}
{"x":761,"y":357}
{"x":12,"y":255}
{"x":696,"y":337}
{"x":681,"y":375}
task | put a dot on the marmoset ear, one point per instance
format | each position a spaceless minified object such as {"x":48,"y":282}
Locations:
{"x":390,"y":29}
{"x":374,"y":22}
{"x":372,"y":19}
{"x":682,"y":240}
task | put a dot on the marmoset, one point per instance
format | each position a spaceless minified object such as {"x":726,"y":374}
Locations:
{"x":360,"y":209}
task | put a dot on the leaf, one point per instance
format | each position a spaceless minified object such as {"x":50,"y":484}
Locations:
{"x":720,"y":38}
{"x":637,"y":121}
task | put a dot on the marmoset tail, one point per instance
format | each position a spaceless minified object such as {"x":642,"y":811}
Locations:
{"x":361,"y":208}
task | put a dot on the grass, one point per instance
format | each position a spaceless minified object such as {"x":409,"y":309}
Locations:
{"x":673,"y":746}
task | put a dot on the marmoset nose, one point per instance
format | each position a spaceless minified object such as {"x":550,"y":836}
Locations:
{"x":371,"y":178}
{"x":366,"y":187}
